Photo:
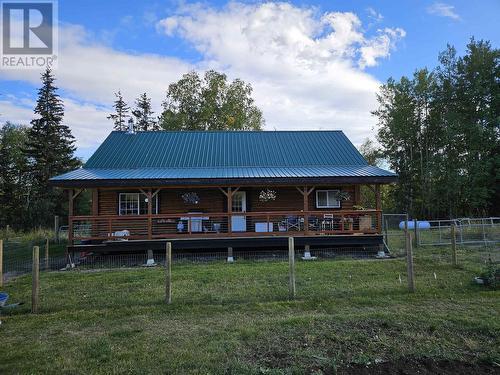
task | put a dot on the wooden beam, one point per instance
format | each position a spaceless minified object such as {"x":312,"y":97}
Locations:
{"x":70,"y":216}
{"x":95,"y":202}
{"x":156,"y":192}
{"x":306,"y":209}
{"x":378,"y":200}
{"x":229,"y":210}
{"x":357,"y":194}
{"x":149,"y":194}
{"x":301,"y":191}
{"x":378,"y":207}
{"x":223,"y":191}
{"x":71,"y":197}
{"x":77,"y":193}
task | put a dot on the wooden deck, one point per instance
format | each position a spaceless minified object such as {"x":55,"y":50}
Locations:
{"x":360,"y":241}
{"x":97,"y":229}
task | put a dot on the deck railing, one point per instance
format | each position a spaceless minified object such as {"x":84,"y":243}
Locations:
{"x":251,"y":224}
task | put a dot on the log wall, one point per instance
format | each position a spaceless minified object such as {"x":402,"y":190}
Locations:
{"x":213,"y":200}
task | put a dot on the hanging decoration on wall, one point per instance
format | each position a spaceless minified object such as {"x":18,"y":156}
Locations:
{"x":190,"y":198}
{"x":267,"y":195}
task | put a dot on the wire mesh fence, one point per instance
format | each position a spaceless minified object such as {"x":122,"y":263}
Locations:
{"x":250,"y":276}
{"x":394,"y":235}
{"x":481,"y":231}
{"x":18,"y":255}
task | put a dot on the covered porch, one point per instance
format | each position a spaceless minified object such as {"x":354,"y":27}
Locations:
{"x":217,"y":212}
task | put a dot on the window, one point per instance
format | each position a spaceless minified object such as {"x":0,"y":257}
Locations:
{"x":327,"y":199}
{"x":136,"y":204}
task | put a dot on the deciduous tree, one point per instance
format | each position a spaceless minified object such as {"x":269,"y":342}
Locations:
{"x":210,"y":103}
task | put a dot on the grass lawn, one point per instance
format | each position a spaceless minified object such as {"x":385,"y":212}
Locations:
{"x":235,"y":318}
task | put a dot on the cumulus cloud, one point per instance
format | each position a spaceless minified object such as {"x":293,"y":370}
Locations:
{"x":443,"y":10}
{"x":90,"y":73}
{"x":93,"y":72}
{"x":307,"y":68}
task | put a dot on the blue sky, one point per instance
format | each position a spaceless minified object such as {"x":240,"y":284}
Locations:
{"x":313,"y":64}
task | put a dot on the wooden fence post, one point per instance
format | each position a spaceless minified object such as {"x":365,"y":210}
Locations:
{"x":168,"y":273}
{"x":47,"y":254}
{"x":409,"y":261}
{"x":291,"y":268}
{"x":453,"y":245}
{"x":1,"y":263}
{"x":35,"y":287}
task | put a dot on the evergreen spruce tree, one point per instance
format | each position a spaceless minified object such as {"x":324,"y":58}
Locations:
{"x":121,"y":113}
{"x":50,"y":151}
{"x":143,"y":114}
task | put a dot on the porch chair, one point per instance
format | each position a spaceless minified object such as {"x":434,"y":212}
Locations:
{"x":292,"y":222}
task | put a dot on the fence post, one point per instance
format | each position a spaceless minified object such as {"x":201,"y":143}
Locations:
{"x":453,"y":245}
{"x":415,"y":228}
{"x":409,"y":260}
{"x":168,"y":273}
{"x":35,"y":287}
{"x":47,"y":254}
{"x":291,"y":268}
{"x":1,"y":263}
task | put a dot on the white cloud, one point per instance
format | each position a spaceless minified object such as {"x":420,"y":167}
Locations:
{"x":93,"y":72}
{"x":307,"y":68}
{"x":443,"y":10}
{"x":90,"y":73}
{"x":87,"y":121}
{"x":375,"y":16}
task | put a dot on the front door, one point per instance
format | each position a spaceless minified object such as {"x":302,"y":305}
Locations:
{"x":239,"y":222}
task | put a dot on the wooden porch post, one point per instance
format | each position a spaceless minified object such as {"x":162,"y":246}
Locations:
{"x":229,"y":210}
{"x":306,"y":209}
{"x":95,"y":202}
{"x":95,"y":212}
{"x":71,"y":204}
{"x":305,"y":194}
{"x":357,"y":195}
{"x":229,"y":195}
{"x":378,"y":207}
{"x":150,"y":212}
{"x":70,"y":216}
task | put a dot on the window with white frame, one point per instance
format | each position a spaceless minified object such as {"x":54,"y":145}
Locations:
{"x":327,"y":199}
{"x":135,"y":204}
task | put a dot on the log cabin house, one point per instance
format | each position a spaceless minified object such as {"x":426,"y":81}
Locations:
{"x":223,"y":189}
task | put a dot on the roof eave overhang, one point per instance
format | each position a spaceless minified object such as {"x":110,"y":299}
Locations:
{"x":89,"y":183}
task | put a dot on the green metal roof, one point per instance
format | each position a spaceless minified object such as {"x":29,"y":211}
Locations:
{"x":166,"y":149}
{"x":224,"y":154}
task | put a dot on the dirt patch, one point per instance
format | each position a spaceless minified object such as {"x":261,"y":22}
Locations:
{"x":421,"y":367}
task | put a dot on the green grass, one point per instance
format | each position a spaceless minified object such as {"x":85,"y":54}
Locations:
{"x":236,"y":318}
